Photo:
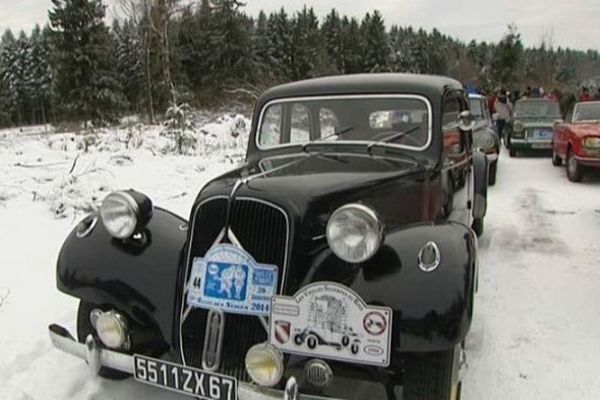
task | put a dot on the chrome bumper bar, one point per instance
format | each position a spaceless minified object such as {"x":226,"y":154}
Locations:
{"x":492,"y":157}
{"x":97,"y":357}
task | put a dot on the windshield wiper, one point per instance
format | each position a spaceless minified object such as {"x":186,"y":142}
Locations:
{"x":341,"y":132}
{"x":391,"y":136}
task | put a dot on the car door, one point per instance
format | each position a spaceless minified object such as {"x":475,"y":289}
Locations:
{"x":457,"y":166}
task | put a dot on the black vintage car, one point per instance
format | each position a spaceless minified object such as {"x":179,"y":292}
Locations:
{"x":356,"y":211}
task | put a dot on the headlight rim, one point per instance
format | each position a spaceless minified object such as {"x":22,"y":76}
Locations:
{"x":588,"y":139}
{"x":368,"y":211}
{"x":133,"y":205}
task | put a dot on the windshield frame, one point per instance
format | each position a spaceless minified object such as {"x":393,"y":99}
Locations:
{"x":364,"y":142}
{"x":583,"y":121}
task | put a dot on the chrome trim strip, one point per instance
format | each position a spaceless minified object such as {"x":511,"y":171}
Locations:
{"x":191,"y":240}
{"x":342,"y":97}
{"x":213,"y":340}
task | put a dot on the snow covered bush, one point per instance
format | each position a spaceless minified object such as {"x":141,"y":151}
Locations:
{"x":180,"y":127}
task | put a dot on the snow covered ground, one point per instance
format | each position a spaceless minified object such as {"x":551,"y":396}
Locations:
{"x":537,"y":325}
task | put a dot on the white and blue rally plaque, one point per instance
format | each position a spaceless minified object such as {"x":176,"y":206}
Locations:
{"x":229,"y":279}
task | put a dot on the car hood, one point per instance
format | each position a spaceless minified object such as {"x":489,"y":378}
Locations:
{"x":311,"y":186}
{"x":536,"y":122}
{"x":582,"y":130}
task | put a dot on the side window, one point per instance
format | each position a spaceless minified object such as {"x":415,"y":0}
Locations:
{"x":300,"y":127}
{"x":270,"y":131}
{"x":328,"y":122}
{"x":453,"y":144}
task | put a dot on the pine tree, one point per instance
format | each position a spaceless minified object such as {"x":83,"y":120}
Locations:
{"x":230,"y":43}
{"x":309,"y":55}
{"x":40,"y":73}
{"x":130,"y":62}
{"x":84,"y":61}
{"x":352,"y":46}
{"x":375,"y":44}
{"x":281,"y":45}
{"x":334,"y":40}
{"x":7,"y":101}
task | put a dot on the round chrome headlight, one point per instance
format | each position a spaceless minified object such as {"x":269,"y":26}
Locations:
{"x":119,"y":212}
{"x":111,"y":328}
{"x":354,"y":233}
{"x":518,"y":126}
{"x":264,"y":364}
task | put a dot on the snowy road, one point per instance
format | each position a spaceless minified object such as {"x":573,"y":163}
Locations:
{"x":536,"y":333}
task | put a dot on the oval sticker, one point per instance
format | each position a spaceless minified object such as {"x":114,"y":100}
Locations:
{"x":373,"y":350}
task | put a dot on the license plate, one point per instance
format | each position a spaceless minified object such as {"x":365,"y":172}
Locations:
{"x":542,"y":134}
{"x":541,"y":146}
{"x":191,"y":381}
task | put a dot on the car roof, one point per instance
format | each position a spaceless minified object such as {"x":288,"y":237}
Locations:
{"x":588,"y":102}
{"x":430,"y":86}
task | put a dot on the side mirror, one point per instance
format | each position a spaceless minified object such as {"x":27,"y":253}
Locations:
{"x":466,"y":121}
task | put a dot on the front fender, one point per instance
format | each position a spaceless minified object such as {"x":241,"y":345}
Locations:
{"x":140,"y":280}
{"x":432,"y":310}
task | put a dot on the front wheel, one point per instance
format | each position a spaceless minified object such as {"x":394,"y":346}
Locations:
{"x":574,"y":170}
{"x":431,"y":376}
{"x":556,"y":160}
{"x":492,"y":173}
{"x":478,"y":226}
{"x":85,"y":328}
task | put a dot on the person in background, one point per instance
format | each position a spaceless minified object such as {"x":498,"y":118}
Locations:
{"x":554,"y":95}
{"x":597,"y":95}
{"x":492,"y":101}
{"x":585,"y":94}
{"x":527,"y":93}
{"x":503,"y":109}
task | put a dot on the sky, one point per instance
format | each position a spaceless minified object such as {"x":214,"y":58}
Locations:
{"x":570,"y":23}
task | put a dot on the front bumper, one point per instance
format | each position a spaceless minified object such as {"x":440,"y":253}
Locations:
{"x":531,"y":144}
{"x":491,"y":157}
{"x":593,"y":162}
{"x":97,"y":357}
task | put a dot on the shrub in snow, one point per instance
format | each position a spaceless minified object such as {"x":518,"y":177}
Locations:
{"x":180,"y":127}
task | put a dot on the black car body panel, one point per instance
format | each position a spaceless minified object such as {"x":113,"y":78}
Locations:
{"x":141,"y":280}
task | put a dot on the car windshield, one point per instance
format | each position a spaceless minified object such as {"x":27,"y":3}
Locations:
{"x":477,"y":108}
{"x":585,"y":112}
{"x":347,"y":119}
{"x":538,"y":109}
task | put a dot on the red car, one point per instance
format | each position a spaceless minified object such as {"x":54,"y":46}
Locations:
{"x":577,"y":141}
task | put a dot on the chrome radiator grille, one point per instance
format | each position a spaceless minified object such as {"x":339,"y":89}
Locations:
{"x":263,"y":230}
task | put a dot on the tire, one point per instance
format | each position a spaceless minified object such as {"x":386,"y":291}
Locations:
{"x":556,"y":160}
{"x":492,"y":173}
{"x":574,"y":170}
{"x":512,"y":151}
{"x":478,"y":226}
{"x":84,"y":328}
{"x":312,"y":342}
{"x":298,"y":340}
{"x":429,"y":377}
